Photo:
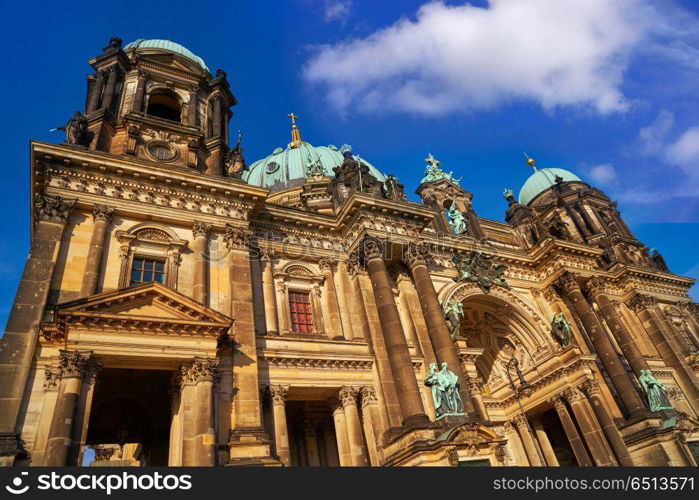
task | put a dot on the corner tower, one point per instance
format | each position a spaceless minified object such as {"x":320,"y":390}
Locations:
{"x":156,"y":100}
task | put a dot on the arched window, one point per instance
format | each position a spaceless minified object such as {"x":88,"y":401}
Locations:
{"x":164,"y":104}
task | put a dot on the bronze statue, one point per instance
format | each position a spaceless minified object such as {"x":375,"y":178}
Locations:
{"x":659,"y":261}
{"x":562,"y":329}
{"x":656,"y":392}
{"x":77,"y":131}
{"x":393,"y":189}
{"x":235,"y":162}
{"x":479,"y":269}
{"x":453,"y":312}
{"x":445,"y":391}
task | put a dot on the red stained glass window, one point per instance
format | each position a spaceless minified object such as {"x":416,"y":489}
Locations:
{"x":301,"y":317}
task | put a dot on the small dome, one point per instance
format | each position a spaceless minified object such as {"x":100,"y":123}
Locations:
{"x":541,"y":180}
{"x":157,"y":44}
{"x":286,"y":168}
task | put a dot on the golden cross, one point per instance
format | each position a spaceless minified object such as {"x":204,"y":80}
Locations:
{"x":293,"y":118}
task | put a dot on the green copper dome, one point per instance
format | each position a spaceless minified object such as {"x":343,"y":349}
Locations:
{"x":169,"y":46}
{"x":286,"y":168}
{"x":541,"y":180}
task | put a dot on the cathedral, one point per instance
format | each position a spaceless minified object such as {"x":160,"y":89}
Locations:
{"x":181,"y":306}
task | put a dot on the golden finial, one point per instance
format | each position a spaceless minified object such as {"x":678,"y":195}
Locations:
{"x":530,"y":161}
{"x":295,"y":134}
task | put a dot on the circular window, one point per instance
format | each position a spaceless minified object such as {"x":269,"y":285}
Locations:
{"x":161,"y":152}
{"x":272,"y":167}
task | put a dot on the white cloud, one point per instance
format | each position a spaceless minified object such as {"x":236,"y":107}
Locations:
{"x":336,"y":10}
{"x":453,"y":58}
{"x":604,"y":174}
{"x":653,"y":136}
{"x":684,"y":152}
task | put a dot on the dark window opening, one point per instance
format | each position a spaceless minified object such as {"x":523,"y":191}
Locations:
{"x":164,"y":105}
{"x":147,"y":270}
{"x":301,"y":317}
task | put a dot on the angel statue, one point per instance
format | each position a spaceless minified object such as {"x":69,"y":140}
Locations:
{"x":655,"y":392}
{"x":562,"y":329}
{"x":235,"y":162}
{"x":77,"y":131}
{"x":458,"y":222}
{"x":453,"y":312}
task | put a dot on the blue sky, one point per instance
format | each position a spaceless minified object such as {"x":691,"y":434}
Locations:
{"x":604,"y":88}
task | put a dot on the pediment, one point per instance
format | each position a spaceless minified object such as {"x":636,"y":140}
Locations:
{"x":149,"y":301}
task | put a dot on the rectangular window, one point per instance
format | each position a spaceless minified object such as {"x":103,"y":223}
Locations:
{"x":147,"y":270}
{"x":301,"y":317}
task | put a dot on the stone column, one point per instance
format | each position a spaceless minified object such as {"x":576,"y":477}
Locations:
{"x":603,"y":346}
{"x":83,"y":411}
{"x":373,"y":429}
{"x":249,"y":443}
{"x":544,"y":443}
{"x":192,"y":107}
{"x":216,"y":118}
{"x":576,"y":443}
{"x":96,"y":93}
{"x":396,"y":345}
{"x":474,"y":385}
{"x":589,"y":426}
{"x":344,"y":295}
{"x":508,"y":431}
{"x":348,"y":396}
{"x":283,"y":313}
{"x":331,"y":455}
{"x":520,"y":422}
{"x":592,"y":390}
{"x":176,"y":427}
{"x":343,"y":446}
{"x":268,"y":295}
{"x":442,"y":343}
{"x":200,"y":231}
{"x":202,"y":373}
{"x":334,"y":324}
{"x":111,"y":85}
{"x":101,"y":215}
{"x":644,"y":307}
{"x":18,"y":343}
{"x":137,"y":105}
{"x":188,"y":416}
{"x":311,"y":439}
{"x":281,"y":431}
{"x":316,"y":307}
{"x":72,"y":365}
{"x":595,"y":286}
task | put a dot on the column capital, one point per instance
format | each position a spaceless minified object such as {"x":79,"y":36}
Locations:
{"x":550,"y":294}
{"x":201,"y":370}
{"x":102,"y":213}
{"x":335,"y":404}
{"x":200,"y":229}
{"x":52,"y":208}
{"x":94,"y":368}
{"x":639,"y":302}
{"x":73,"y":364}
{"x":567,"y":282}
{"x":572,"y":395}
{"x":372,"y":248}
{"x":348,"y":395}
{"x":416,"y":254}
{"x":557,"y":402}
{"x":474,"y":384}
{"x":278,"y":394}
{"x":327,"y":265}
{"x":595,"y":286}
{"x":368,"y":395}
{"x":590,"y":387}
{"x":237,"y":238}
{"x":520,"y":422}
{"x":353,"y":264}
{"x":52,"y":376}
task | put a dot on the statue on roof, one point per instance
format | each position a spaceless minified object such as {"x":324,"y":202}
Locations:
{"x":314,"y":168}
{"x":393,"y":189}
{"x":77,"y":131}
{"x":457,"y":220}
{"x":235,"y":162}
{"x":433,"y":173}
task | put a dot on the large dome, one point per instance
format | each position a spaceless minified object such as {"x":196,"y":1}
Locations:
{"x":167,"y":45}
{"x":286,"y":168}
{"x":541,"y":180}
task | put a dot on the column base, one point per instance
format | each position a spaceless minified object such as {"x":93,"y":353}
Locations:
{"x":251,"y":446}
{"x":10,"y":449}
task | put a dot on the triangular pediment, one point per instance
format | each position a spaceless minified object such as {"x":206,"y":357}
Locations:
{"x":149,"y":301}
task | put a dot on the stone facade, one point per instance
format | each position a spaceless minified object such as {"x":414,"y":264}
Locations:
{"x":170,"y":313}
